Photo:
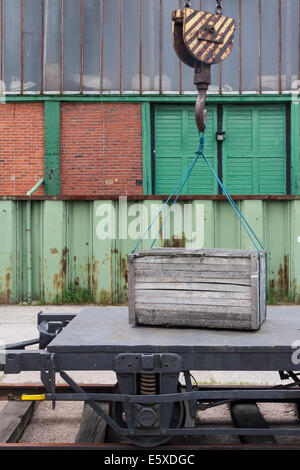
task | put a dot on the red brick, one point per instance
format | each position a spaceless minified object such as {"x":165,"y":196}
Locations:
{"x":108,"y":137}
{"x":21,"y":147}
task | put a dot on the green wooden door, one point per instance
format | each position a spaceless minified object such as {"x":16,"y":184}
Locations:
{"x":254,"y":151}
{"x":176,"y":140}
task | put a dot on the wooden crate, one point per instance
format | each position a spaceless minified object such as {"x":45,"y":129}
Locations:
{"x":197,"y":288}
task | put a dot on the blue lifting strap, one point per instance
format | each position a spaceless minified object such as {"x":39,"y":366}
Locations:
{"x":178,"y":190}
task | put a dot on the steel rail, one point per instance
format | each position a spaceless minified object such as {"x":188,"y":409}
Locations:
{"x":130,"y":447}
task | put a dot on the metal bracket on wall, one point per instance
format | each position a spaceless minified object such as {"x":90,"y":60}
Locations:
{"x":52,"y":146}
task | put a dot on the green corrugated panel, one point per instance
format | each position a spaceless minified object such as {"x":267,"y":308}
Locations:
{"x":7,"y":252}
{"x":68,"y":246}
{"x":254,"y":151}
{"x":176,"y":140}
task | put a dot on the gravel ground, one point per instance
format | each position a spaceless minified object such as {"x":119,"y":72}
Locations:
{"x":62,"y":424}
{"x":58,"y":426}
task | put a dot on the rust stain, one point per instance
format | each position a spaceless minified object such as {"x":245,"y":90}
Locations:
{"x":104,"y":297}
{"x":160,"y":224}
{"x":89,"y":274}
{"x":124,"y":271}
{"x":54,"y":251}
{"x":59,"y":278}
{"x":64,"y":260}
{"x":175,"y":242}
{"x":57,"y":281}
{"x":8,"y":287}
{"x":283,"y":277}
{"x":95,"y":269}
{"x":5,"y":295}
{"x":280,"y":287}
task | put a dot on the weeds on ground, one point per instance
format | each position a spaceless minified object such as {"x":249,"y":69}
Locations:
{"x":280,"y":296}
{"x":75,"y":295}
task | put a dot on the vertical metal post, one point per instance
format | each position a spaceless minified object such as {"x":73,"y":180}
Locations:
{"x":279,"y":46}
{"x":2,"y":47}
{"x":121,"y":47}
{"x":240,"y":47}
{"x":42,"y":47}
{"x":61,"y":46}
{"x":141,"y":48}
{"x":180,"y":63}
{"x":52,"y":147}
{"x":81,"y":46}
{"x":101,"y":47}
{"x":22,"y":47}
{"x":299,"y":40}
{"x":29,"y":251}
{"x":160,"y":45}
{"x":259,"y":49}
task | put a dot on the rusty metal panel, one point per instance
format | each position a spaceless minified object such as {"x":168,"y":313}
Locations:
{"x":85,"y":243}
{"x":7,"y":251}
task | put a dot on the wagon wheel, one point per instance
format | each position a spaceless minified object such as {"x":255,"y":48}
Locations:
{"x":177,"y":421}
{"x":180,"y":418}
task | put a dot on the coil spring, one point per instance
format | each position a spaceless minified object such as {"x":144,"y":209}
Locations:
{"x":148,"y":384}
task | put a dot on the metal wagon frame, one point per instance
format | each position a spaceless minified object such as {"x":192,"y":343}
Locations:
{"x":149,"y":407}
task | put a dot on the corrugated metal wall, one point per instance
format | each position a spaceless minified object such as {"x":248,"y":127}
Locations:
{"x":46,"y":246}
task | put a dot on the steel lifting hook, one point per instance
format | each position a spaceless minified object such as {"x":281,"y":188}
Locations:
{"x":202,"y":80}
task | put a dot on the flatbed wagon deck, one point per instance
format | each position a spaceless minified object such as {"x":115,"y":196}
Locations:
{"x":106,"y":330}
{"x":155,"y":397}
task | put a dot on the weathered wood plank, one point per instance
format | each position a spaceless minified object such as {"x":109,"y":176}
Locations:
{"x":195,"y":322}
{"x":205,"y":276}
{"x":263,"y":286}
{"x":192,"y":267}
{"x":191,"y":315}
{"x":194,"y":301}
{"x":14,"y":418}
{"x":194,"y":308}
{"x":248,"y":415}
{"x":203,"y":280}
{"x":254,"y":297}
{"x":131,"y":291}
{"x":193,"y":260}
{"x":187,"y":251}
{"x":180,"y":296}
{"x":195,"y":286}
{"x":92,"y":428}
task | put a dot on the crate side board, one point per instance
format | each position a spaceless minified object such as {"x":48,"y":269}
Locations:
{"x":131,"y":290}
{"x":196,"y":288}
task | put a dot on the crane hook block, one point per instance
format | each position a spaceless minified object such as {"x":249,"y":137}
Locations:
{"x":202,"y":36}
{"x":201,"y":39}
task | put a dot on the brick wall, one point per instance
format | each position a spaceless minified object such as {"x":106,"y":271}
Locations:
{"x":101,"y":149}
{"x":21,"y":147}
